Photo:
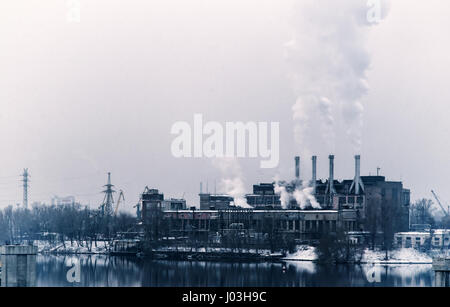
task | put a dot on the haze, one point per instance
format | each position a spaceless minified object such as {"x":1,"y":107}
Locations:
{"x":79,"y":100}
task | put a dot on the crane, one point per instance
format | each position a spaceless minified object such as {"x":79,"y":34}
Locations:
{"x":138,"y":210}
{"x":440,"y":204}
{"x":121,"y":197}
{"x":138,"y":205}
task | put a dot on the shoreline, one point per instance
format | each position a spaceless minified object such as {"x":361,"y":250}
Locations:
{"x":251,"y":259}
{"x":303,"y":253}
{"x":362,"y":262}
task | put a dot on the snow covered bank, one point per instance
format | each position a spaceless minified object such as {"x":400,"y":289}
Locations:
{"x":303,"y":253}
{"x":74,"y":248}
{"x":400,"y":256}
{"x":403,"y":255}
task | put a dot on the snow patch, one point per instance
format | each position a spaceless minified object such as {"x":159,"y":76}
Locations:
{"x":74,"y":248}
{"x":403,"y":255}
{"x":303,"y":253}
{"x":400,"y":256}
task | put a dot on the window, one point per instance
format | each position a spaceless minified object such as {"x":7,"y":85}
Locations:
{"x":408,"y":242}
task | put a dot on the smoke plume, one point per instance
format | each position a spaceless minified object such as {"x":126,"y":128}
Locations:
{"x":305,"y":198}
{"x":329,"y":62}
{"x":231,"y":182}
{"x":302,"y":194}
{"x":280,"y":189}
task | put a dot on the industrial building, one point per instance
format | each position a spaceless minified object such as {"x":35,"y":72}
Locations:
{"x":343,"y":204}
{"x":62,"y":201}
{"x":297,"y":224}
{"x":437,"y":238}
{"x":214,"y":201}
{"x":174,"y":204}
{"x":264,"y":197}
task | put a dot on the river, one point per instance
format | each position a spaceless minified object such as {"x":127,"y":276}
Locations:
{"x":103,"y":271}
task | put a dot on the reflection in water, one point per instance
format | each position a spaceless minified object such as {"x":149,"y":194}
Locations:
{"x":17,"y":270}
{"x":119,"y":271}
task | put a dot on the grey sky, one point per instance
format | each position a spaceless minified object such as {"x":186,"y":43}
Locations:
{"x":81,"y":99}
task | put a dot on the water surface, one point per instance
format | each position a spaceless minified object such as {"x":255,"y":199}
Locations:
{"x":103,"y":271}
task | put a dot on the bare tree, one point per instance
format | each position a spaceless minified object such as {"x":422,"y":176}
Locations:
{"x":421,"y":212}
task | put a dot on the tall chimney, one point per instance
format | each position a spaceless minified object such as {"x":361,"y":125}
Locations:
{"x":314,"y":173}
{"x":330,"y":187}
{"x":357,"y":183}
{"x":297,"y":168}
{"x":357,"y":173}
{"x":331,"y":179}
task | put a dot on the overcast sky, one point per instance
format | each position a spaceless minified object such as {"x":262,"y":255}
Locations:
{"x":81,"y":99}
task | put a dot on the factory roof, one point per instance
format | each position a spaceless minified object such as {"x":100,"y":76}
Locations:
{"x":435,"y":231}
{"x":253,"y":210}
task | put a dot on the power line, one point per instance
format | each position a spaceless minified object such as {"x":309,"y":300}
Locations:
{"x":56,"y":179}
{"x":6,"y":177}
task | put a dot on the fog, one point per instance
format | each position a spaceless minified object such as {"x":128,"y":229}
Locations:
{"x":79,"y":100}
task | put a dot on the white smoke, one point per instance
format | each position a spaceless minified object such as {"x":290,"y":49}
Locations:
{"x":305,"y":198}
{"x":285,"y":197}
{"x":329,"y":64}
{"x":303,"y":195}
{"x":306,"y":111}
{"x":232,"y":183}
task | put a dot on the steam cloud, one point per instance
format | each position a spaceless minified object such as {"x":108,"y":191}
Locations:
{"x":302,"y":194}
{"x":232,"y":183}
{"x":285,"y":196}
{"x":329,"y":63}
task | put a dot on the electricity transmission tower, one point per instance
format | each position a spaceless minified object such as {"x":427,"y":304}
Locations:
{"x":25,"y":187}
{"x":108,"y":201}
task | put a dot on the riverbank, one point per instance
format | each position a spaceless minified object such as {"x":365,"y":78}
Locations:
{"x":223,"y":256}
{"x":72,"y":248}
{"x":303,"y":253}
{"x":399,"y":256}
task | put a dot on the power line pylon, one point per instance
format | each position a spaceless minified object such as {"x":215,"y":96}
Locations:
{"x":25,"y":187}
{"x":108,"y":200}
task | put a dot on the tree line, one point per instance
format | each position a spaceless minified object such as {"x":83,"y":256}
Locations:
{"x":61,"y":223}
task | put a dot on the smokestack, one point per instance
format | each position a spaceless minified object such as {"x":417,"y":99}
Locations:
{"x":357,"y":173}
{"x":331,"y":179}
{"x":201,"y":187}
{"x":297,"y":168}
{"x":314,"y":173}
{"x":357,"y":182}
